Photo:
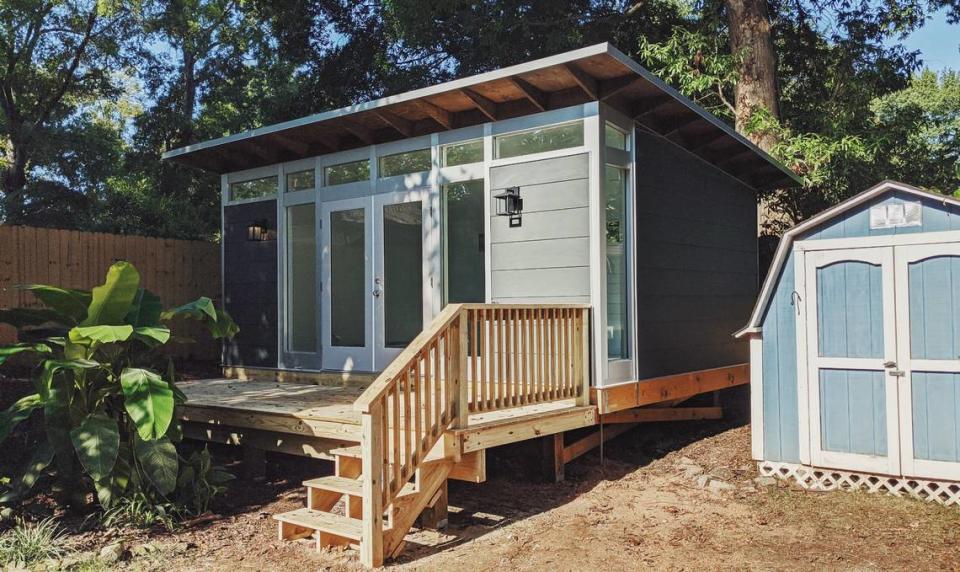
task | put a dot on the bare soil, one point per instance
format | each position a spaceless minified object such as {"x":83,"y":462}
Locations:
{"x":634,"y":509}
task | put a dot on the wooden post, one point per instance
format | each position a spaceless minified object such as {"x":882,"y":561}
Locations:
{"x":582,"y":358}
{"x":553,"y":466}
{"x":254,"y":464}
{"x":460,"y":364}
{"x":371,"y":544}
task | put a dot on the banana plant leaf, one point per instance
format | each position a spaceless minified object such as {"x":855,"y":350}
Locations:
{"x":112,"y":300}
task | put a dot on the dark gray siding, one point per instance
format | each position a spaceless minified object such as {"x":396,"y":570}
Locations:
{"x":250,"y":285}
{"x":548,"y":257}
{"x":696,"y":261}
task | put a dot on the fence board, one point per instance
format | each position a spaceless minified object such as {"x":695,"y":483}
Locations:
{"x":176,"y":270}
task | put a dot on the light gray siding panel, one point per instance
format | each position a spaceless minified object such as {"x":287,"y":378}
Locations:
{"x":545,"y":282}
{"x":696,"y":260}
{"x":557,"y":253}
{"x":547,"y":258}
{"x":540,"y":226}
{"x":540,"y":172}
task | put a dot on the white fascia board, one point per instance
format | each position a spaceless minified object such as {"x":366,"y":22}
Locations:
{"x":786,"y":242}
{"x":518,"y":69}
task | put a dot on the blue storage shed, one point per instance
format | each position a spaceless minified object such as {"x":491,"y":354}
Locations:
{"x":855,"y":348}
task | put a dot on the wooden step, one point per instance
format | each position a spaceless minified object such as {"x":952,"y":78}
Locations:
{"x":354,"y":452}
{"x":323,"y":522}
{"x":353,"y":487}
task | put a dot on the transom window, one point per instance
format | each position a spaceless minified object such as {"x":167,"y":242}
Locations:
{"x":615,"y":137}
{"x":462,"y":153}
{"x":254,"y":188}
{"x":301,"y":180}
{"x":539,"y":140}
{"x":405,"y":163}
{"x":351,"y":172}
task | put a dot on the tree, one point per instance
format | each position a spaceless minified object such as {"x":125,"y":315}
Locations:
{"x":55,"y":57}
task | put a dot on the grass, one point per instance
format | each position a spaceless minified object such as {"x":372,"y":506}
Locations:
{"x":29,"y":543}
{"x":137,"y":511}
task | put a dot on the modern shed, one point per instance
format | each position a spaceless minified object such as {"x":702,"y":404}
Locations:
{"x":855,"y":348}
{"x":520,"y":254}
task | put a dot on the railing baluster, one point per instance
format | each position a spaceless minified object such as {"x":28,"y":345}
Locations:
{"x":474,"y":379}
{"x":553,"y":355}
{"x":441,"y":417}
{"x":507,"y":358}
{"x":524,"y":321}
{"x":428,"y":385}
{"x":395,"y":483}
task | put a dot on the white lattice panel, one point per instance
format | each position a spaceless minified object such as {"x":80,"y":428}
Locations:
{"x":810,"y":478}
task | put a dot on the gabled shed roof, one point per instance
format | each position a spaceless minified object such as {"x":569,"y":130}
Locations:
{"x":786,"y":243}
{"x":595,"y":73}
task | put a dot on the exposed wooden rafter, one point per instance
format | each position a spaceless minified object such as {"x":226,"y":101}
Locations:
{"x":359,"y":131}
{"x":403,"y":125}
{"x":486,"y":106}
{"x":437,"y":113}
{"x":586,"y":81}
{"x":676,"y":124}
{"x":298,"y":147}
{"x":647,"y":106}
{"x":533,"y":93}
{"x":261,"y":151}
{"x":612,"y":87}
{"x":735,"y":158}
{"x":710,"y":140}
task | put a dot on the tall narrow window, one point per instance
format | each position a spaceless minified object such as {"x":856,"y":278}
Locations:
{"x":302,"y":278}
{"x":348,"y":316}
{"x":463,"y":242}
{"x":403,"y":279}
{"x":615,"y":199}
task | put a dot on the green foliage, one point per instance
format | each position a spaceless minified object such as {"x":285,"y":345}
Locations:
{"x":27,"y":544}
{"x":108,"y":394}
{"x":140,"y":511}
{"x":200,"y":481}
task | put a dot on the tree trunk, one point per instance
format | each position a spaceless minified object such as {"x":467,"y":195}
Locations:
{"x":751,"y":36}
{"x":14,"y":179}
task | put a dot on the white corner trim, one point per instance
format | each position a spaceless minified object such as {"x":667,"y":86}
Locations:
{"x":756,"y":397}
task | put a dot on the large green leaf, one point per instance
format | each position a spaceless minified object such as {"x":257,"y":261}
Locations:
{"x":56,"y":416}
{"x":197,"y":309}
{"x":69,"y":303}
{"x":22,"y":317}
{"x":100,"y":334}
{"x":158,"y":459}
{"x":52,"y":366}
{"x":149,"y":401}
{"x":97,"y":442}
{"x":29,"y":475}
{"x":146,"y":309}
{"x":110,"y":489}
{"x":17,"y":412}
{"x":152,"y":335}
{"x":8,"y":351}
{"x":112,"y":300}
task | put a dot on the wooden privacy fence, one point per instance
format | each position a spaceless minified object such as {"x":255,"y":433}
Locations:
{"x":176,"y":270}
{"x":472,"y":358}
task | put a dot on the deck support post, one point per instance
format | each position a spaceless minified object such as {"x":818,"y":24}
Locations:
{"x":254,"y":464}
{"x":371,"y":545}
{"x":460,"y":367}
{"x":582,"y":368}
{"x":553,"y":465}
{"x":434,"y":517}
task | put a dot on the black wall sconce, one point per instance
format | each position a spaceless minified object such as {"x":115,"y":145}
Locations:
{"x":258,"y":231}
{"x":510,"y":204}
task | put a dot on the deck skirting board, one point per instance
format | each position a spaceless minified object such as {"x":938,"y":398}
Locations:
{"x":302,"y":445}
{"x":946,"y":493}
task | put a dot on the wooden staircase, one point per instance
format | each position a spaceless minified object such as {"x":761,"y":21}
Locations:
{"x":524,"y":355}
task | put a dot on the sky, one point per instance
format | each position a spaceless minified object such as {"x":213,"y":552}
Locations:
{"x":938,"y":43}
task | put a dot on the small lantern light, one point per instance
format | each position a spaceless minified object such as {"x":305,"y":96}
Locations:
{"x":258,"y":231}
{"x":510,"y":204}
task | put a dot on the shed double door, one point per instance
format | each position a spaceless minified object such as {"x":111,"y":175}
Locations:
{"x":882,"y":345}
{"x":375,"y":282}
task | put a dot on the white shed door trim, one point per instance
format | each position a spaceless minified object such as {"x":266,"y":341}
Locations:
{"x":928,"y":285}
{"x":849,"y":327}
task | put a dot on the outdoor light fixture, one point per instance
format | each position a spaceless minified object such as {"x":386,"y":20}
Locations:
{"x":510,"y":204}
{"x":258,"y":231}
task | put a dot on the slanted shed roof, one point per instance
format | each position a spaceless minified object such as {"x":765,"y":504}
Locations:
{"x":786,"y":243}
{"x":595,"y":73}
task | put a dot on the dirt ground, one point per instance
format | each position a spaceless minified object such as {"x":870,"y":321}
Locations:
{"x":640,"y":508}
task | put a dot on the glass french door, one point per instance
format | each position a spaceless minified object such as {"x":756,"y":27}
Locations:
{"x":851,"y":359}
{"x":375,"y":295}
{"x":346,"y":301}
{"x":401,"y":297}
{"x":301,"y":328}
{"x":928,"y":327}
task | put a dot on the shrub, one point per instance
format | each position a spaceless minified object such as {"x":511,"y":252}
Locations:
{"x":106,"y":390}
{"x":28,"y":543}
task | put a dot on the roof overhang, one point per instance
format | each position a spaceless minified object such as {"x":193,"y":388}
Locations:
{"x":595,"y":73}
{"x":786,"y":243}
